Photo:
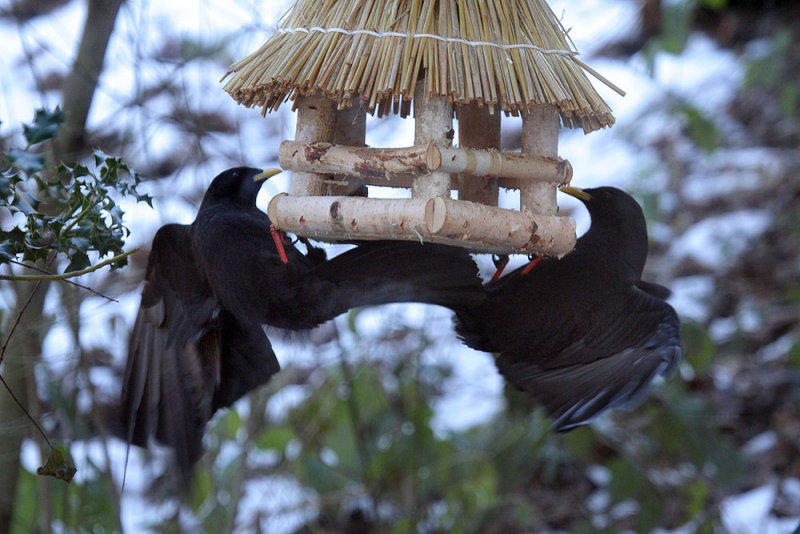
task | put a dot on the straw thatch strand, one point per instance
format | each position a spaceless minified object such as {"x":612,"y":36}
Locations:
{"x":507,"y":54}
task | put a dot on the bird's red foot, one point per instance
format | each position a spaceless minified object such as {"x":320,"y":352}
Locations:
{"x":533,"y":263}
{"x":279,"y":239}
{"x":500,"y":264}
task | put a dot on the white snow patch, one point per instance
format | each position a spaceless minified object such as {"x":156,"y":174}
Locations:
{"x":778,"y":348}
{"x":716,"y":241}
{"x":277,"y":504}
{"x":611,"y":20}
{"x":750,"y":513}
{"x":284,"y":400}
{"x":744,"y":170}
{"x":722,"y":329}
{"x":702,"y":69}
{"x":690,"y":296}
{"x":760,"y":444}
{"x":600,"y":475}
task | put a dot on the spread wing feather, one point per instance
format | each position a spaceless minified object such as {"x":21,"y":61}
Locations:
{"x":173,"y":352}
{"x":603,"y":369}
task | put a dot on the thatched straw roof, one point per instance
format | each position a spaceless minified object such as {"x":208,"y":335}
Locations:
{"x":507,"y":53}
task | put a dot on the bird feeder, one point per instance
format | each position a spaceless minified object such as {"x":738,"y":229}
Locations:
{"x":337,"y":60}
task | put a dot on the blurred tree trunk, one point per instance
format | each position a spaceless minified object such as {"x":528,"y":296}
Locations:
{"x":25,"y":348}
{"x":82,"y":81}
{"x":18,"y":366}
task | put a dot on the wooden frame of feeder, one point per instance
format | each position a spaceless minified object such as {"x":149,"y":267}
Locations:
{"x":329,"y":161}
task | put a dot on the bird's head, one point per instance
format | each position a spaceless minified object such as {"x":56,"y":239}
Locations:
{"x":608,"y":205}
{"x":618,"y":224}
{"x":239,"y":185}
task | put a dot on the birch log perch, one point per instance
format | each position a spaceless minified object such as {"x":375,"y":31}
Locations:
{"x":498,"y":230}
{"x":382,"y":166}
{"x":471,"y":225}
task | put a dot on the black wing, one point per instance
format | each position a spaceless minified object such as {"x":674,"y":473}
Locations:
{"x":247,"y":360}
{"x":187,"y":356}
{"x":609,"y":366}
{"x":173,"y":355}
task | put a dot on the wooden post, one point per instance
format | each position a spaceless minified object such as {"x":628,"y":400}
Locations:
{"x":351,"y":130}
{"x":477,"y":128}
{"x":539,"y":136}
{"x":433,"y":122}
{"x":316,"y":120}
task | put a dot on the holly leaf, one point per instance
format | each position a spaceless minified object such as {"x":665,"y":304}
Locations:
{"x":27,"y":161}
{"x":45,"y":125}
{"x":78,"y":260}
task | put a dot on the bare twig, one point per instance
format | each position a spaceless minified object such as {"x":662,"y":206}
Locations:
{"x":72,"y":282}
{"x":64,"y":276}
{"x":27,"y":414}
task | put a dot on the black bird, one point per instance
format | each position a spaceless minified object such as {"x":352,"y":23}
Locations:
{"x":198,"y":345}
{"x":584,"y":333}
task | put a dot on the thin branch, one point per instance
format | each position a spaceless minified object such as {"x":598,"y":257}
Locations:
{"x":64,"y":276}
{"x":27,"y":414}
{"x":78,"y":219}
{"x":72,"y":282}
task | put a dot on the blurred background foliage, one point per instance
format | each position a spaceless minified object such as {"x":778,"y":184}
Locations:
{"x":353,"y":447}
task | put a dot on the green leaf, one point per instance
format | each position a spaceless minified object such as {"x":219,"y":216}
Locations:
{"x":716,"y":5}
{"x":20,"y":204}
{"x":32,"y":201}
{"x":80,"y":243}
{"x":677,"y":25}
{"x":8,"y":251}
{"x":80,"y":171}
{"x":79,"y":260}
{"x":58,"y":467}
{"x":274,"y":438}
{"x":626,"y":481}
{"x":789,"y":99}
{"x":45,"y":125}
{"x":27,"y":161}
{"x":229,"y":424}
{"x":8,"y":183}
{"x":701,"y":128}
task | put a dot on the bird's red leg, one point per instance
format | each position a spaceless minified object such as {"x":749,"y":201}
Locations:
{"x":277,"y":236}
{"x":500,"y":264}
{"x":528,"y":268}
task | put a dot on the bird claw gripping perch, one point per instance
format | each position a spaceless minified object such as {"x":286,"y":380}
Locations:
{"x":280,"y":240}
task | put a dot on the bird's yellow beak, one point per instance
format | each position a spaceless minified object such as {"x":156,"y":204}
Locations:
{"x":580,"y":194}
{"x":266,"y":173}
